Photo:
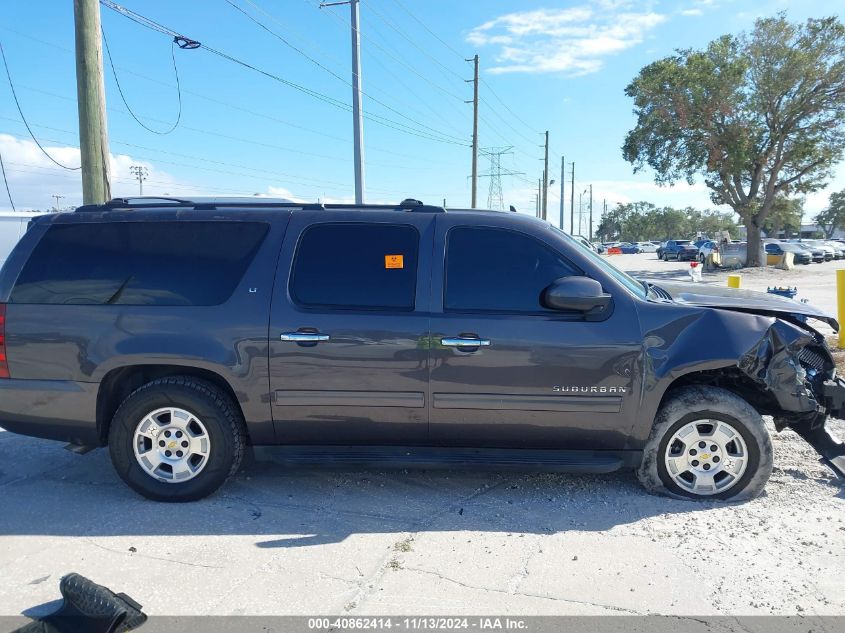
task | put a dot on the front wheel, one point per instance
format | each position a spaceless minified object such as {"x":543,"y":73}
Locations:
{"x":177,"y":439}
{"x":707,"y":443}
{"x":665,"y":257}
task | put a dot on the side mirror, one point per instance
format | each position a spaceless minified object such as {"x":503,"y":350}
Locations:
{"x":578,"y":294}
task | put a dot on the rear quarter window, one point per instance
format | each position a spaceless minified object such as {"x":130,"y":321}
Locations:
{"x":138,"y":263}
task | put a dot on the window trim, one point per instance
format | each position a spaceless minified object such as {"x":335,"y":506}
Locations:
{"x":571,"y":315}
{"x":314,"y":307}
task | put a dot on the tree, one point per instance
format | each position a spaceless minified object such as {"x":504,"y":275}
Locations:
{"x":756,"y":115}
{"x":640,"y":221}
{"x":833,"y":217}
{"x":785,"y":217}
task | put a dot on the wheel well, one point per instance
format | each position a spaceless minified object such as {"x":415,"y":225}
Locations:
{"x":119,"y":383}
{"x":730,"y":379}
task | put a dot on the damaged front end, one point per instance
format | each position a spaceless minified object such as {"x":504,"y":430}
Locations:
{"x":795,"y":367}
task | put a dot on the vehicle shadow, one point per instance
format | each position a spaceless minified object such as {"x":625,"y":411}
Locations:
{"x":48,"y":491}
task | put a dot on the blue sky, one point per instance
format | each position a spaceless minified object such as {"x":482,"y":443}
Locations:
{"x":545,"y":65}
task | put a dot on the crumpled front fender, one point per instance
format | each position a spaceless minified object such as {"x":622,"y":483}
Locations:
{"x":773,"y":362}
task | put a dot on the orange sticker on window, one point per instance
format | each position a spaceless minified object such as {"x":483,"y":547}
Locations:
{"x":394,"y":261}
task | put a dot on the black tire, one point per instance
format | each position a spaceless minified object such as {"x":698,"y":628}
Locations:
{"x":220,"y":416}
{"x":688,"y":404}
{"x":665,"y":257}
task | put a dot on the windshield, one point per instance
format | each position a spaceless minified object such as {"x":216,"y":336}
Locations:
{"x":629,"y":282}
{"x":682,"y":242}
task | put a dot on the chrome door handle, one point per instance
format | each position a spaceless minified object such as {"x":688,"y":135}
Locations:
{"x":460,"y":341}
{"x":305,"y":337}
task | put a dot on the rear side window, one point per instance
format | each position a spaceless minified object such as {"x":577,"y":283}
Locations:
{"x":356,"y":265}
{"x":497,"y":270}
{"x":139,"y":263}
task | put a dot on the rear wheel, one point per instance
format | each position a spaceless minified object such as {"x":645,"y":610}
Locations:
{"x":177,"y":439}
{"x":707,"y":443}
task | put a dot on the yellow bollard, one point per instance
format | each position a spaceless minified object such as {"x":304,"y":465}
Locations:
{"x":734,"y":281}
{"x":840,"y":302}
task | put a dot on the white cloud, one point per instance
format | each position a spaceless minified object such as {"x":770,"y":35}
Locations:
{"x":573,"y":41}
{"x":692,"y":12}
{"x":34,"y":179}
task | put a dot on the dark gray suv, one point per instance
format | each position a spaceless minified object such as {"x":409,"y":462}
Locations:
{"x":181,"y":332}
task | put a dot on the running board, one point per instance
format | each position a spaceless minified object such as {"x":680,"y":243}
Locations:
{"x":390,"y":457}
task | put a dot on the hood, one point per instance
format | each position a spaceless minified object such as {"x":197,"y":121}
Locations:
{"x":744,"y":301}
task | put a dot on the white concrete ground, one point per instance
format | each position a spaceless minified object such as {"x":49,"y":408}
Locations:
{"x":305,"y":541}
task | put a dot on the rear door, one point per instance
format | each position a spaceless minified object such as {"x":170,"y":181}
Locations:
{"x":349,"y":328}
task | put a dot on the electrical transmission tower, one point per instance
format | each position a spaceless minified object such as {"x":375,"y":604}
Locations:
{"x":495,"y":199}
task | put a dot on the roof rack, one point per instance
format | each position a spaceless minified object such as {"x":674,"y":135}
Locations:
{"x":202,"y":203}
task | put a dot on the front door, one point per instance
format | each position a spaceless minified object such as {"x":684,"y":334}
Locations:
{"x":349,"y":329}
{"x":506,"y":371}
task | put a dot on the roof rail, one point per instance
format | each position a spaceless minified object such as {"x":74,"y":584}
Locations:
{"x":160,"y":202}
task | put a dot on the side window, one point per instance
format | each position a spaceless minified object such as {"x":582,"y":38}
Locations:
{"x":497,"y":270}
{"x":138,"y":263}
{"x":356,"y":265}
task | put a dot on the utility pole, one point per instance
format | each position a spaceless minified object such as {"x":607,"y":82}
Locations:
{"x":590,"y":230}
{"x":580,"y":212}
{"x":546,"y":177}
{"x":474,"y":81}
{"x":357,"y":115}
{"x":572,"y":201}
{"x":540,"y":197}
{"x":91,"y":101}
{"x":57,"y":197}
{"x":140,"y":172}
{"x":562,"y":181}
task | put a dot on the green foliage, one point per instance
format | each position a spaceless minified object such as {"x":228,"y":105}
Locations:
{"x":833,"y":217}
{"x":642,"y":221}
{"x":785,"y":216}
{"x":757,"y":116}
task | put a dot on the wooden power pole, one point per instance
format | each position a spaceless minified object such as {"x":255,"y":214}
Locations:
{"x":474,"y":80}
{"x":91,"y":99}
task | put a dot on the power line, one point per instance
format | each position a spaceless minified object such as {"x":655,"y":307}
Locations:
{"x":23,"y":118}
{"x":126,"y":103}
{"x":432,"y":134}
{"x":226,"y":104}
{"x":425,"y":26}
{"x":410,"y":68}
{"x":6,"y":182}
{"x":328,"y":70}
{"x":389,"y":23}
{"x":406,"y":89}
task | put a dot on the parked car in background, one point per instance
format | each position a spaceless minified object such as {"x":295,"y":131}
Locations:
{"x":775,"y":250}
{"x":707,"y":248}
{"x":647,"y":247}
{"x":585,"y":243}
{"x":838,"y":248}
{"x":628,"y":248}
{"x":819,"y":253}
{"x":681,"y":250}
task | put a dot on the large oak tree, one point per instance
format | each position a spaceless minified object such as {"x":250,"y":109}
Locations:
{"x":759,"y":115}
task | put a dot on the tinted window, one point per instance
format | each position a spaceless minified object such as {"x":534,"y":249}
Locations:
{"x":499,"y":270}
{"x":369,"y":266}
{"x":138,"y":263}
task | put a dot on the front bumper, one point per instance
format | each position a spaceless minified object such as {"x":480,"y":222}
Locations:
{"x":831,"y":395}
